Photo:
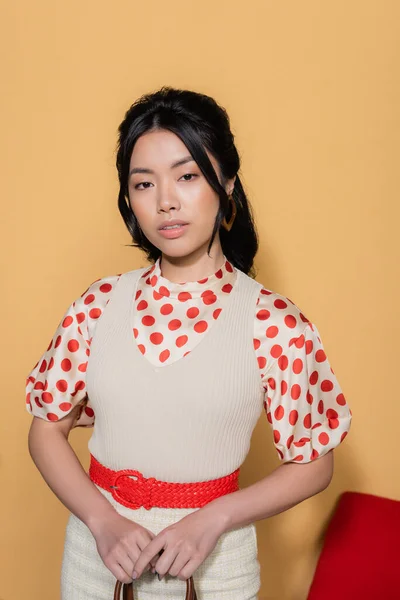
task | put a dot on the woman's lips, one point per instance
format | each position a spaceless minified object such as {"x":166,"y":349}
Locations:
{"x":173,"y":233}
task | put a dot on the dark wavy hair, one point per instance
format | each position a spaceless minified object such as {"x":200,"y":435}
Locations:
{"x":200,"y":123}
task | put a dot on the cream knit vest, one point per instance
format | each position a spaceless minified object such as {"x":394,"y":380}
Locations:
{"x":188,"y":421}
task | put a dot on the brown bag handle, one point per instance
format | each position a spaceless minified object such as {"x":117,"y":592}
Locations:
{"x":127,"y":590}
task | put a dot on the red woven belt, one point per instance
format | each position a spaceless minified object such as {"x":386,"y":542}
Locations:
{"x":131,"y":489}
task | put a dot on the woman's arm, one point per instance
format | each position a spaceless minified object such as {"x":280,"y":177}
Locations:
{"x":288,"y":485}
{"x":60,"y":468}
{"x":119,"y":540}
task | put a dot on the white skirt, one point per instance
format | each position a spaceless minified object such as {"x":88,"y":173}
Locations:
{"x":230,"y":572}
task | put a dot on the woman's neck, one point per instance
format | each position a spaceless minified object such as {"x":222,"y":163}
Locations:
{"x":192,"y":267}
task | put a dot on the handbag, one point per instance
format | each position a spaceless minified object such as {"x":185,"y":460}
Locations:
{"x":127,"y":590}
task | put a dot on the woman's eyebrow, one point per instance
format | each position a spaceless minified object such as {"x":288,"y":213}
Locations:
{"x":178,"y":163}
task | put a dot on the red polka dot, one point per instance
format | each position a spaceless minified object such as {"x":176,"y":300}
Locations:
{"x":135,"y":332}
{"x":142,"y":348}
{"x":156,"y":338}
{"x":67,"y":321}
{"x":89,"y":299}
{"x":297,"y":366}
{"x":320,"y":356}
{"x":272,"y":331}
{"x":333,"y":423}
{"x":94,"y":313}
{"x":148,"y":320}
{"x":276,"y":351}
{"x":293,"y":417}
{"x":314,"y":454}
{"x":154,"y":280}
{"x":295,"y":391}
{"x":200,"y":326}
{"x":340,"y":399}
{"x":142,"y":305}
{"x":278,"y":303}
{"x":263,"y":314}
{"x":290,"y":321}
{"x":277,"y":436}
{"x":184,"y":296}
{"x":62,"y":385}
{"x":66,"y":364}
{"x":138,"y":294}
{"x":192,"y":312}
{"x":186,"y":353}
{"x":227,"y":288}
{"x":271,"y":383}
{"x":331,"y":414}
{"x":164,"y":291}
{"x":326,"y":385}
{"x":73,"y":345}
{"x":228,"y":267}
{"x":47,"y":397}
{"x":64,"y":406}
{"x":181,"y":340}
{"x":217,"y":312}
{"x":219,"y":274}
{"x":157,"y":296}
{"x":289,"y":441}
{"x":80,"y":317}
{"x":43,"y":366}
{"x":299,"y":342}
{"x":82,"y":367}
{"x":58,"y":341}
{"x":105,"y":288}
{"x":262,"y":361}
{"x":52,"y":417}
{"x":323,"y":438}
{"x":164,"y":355}
{"x":209,"y":298}
{"x":283,"y":362}
{"x":313,"y":378}
{"x":309,"y":398}
{"x":174,"y":324}
{"x":256,"y":344}
{"x":80,"y":385}
{"x":321,"y":407}
{"x":284,"y":387}
{"x":343,"y":435}
{"x":309,"y":346}
{"x":166,"y":309}
{"x":298,"y":458}
{"x":89,"y":411}
{"x":203,"y":280}
{"x":307,"y":421}
{"x":279,"y":412}
{"x":51,"y":364}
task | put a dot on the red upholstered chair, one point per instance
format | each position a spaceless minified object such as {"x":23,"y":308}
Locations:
{"x":360,"y":559}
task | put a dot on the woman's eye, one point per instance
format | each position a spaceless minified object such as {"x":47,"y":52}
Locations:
{"x":189,"y":175}
{"x":142,"y":183}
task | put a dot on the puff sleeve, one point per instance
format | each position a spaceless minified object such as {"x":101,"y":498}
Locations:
{"x":57,"y":383}
{"x":304,"y":403}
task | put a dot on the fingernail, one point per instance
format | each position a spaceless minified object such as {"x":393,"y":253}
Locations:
{"x":134,"y":575}
{"x":159,"y":576}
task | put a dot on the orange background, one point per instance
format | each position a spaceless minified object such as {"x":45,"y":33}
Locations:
{"x":312,"y":90}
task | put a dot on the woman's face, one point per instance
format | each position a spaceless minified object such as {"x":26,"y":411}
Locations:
{"x":169,"y":191}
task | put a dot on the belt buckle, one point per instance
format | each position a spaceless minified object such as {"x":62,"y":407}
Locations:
{"x":138,"y":489}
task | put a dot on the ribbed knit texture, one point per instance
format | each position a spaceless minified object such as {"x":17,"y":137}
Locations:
{"x":188,"y":421}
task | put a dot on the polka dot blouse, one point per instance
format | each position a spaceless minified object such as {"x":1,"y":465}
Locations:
{"x":303,"y":401}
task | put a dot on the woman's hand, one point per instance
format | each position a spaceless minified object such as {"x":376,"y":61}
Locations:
{"x":120,"y":543}
{"x":184,"y":546}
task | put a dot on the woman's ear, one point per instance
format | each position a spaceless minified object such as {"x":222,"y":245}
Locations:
{"x":230,"y":184}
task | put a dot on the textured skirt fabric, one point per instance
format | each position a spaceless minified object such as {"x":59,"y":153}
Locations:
{"x":230,"y":572}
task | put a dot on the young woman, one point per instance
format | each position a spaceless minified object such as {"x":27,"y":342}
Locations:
{"x":172,"y":365}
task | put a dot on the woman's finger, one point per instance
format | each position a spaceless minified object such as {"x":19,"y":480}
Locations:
{"x":178,"y":564}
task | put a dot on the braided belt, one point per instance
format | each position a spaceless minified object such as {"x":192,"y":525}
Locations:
{"x":132,"y":489}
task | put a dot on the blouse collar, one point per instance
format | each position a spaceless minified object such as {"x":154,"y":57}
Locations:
{"x":225,"y":275}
